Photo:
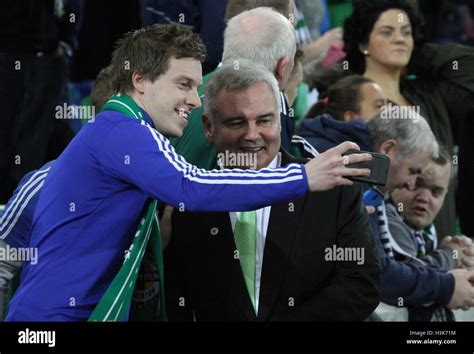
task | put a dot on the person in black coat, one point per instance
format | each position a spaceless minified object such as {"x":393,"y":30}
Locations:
{"x":315,"y":257}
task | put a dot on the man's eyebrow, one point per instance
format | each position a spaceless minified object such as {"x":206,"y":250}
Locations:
{"x":231,"y":118}
{"x":265,"y":115}
{"x":187,"y":78}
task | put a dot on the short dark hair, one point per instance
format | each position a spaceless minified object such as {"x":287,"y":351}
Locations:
{"x":444,"y":156}
{"x":148,"y":51}
{"x":103,"y":88}
{"x":359,"y":25}
{"x":299,"y":55}
{"x":298,"y":59}
{"x":341,"y":97}
{"x":235,"y":7}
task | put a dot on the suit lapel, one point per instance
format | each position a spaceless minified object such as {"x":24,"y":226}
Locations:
{"x":281,"y":232}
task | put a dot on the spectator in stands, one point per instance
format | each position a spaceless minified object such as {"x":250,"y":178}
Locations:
{"x":103,"y":88}
{"x":383,"y":42}
{"x":205,"y":17}
{"x":342,"y":113}
{"x":36,"y":40}
{"x":411,"y":213}
{"x":265,"y":37}
{"x":296,"y":77}
{"x":410,"y":146}
{"x":352,"y":97}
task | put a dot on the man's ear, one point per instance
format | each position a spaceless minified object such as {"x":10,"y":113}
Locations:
{"x":207,"y":129}
{"x":282,"y":71}
{"x":389,"y":147}
{"x":138,"y":82}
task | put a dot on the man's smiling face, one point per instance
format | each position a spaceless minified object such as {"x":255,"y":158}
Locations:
{"x":248,"y":122}
{"x":173,"y":95}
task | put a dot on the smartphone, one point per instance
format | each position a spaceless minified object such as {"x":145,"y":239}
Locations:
{"x":378,"y":166}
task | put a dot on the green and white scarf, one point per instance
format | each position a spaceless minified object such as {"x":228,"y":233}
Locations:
{"x":117,"y":300}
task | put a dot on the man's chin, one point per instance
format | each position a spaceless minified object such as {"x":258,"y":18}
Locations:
{"x":176,"y":133}
{"x":418,"y":223}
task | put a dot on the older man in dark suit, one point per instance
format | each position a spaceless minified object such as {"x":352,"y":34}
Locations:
{"x":310,"y":259}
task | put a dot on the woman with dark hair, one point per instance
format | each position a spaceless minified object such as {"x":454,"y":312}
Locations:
{"x":372,"y":24}
{"x":342,"y":114}
{"x":383,"y":42}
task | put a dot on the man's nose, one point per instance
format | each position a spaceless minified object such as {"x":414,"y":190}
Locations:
{"x":411,"y":182}
{"x":252,"y":132}
{"x":193,"y":99}
{"x":422,"y":195}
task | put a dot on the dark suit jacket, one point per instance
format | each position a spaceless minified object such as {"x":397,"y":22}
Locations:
{"x":202,"y":277}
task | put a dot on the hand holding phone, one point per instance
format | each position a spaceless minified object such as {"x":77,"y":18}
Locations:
{"x":378,"y":166}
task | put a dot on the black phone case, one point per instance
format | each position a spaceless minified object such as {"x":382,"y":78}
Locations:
{"x":379,"y":167}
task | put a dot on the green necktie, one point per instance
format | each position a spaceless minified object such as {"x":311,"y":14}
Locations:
{"x":245,"y":235}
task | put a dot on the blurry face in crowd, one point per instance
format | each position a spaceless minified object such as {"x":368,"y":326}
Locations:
{"x":422,"y":204}
{"x":404,"y":170}
{"x":172,"y":96}
{"x":246,"y":122}
{"x":391,"y":41}
{"x":295,"y":79}
{"x":372,"y":101}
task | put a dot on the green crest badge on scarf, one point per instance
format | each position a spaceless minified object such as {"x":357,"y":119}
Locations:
{"x":142,"y":270}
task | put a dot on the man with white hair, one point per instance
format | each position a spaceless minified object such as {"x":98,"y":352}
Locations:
{"x":266,"y":37}
{"x":410,"y":144}
{"x":411,"y":213}
{"x":406,"y":138}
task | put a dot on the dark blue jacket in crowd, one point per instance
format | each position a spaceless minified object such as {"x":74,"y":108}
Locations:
{"x":206,"y":17}
{"x":29,"y":26}
{"x":325,"y":132}
{"x":403,"y":284}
